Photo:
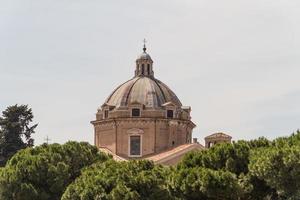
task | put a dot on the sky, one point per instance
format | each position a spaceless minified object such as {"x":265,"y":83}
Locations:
{"x":236,"y":63}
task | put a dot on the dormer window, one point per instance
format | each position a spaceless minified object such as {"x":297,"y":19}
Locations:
{"x":170,"y":114}
{"x":135,"y":112}
{"x":105,"y":114}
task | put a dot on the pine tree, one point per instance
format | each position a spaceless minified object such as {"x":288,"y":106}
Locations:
{"x":15,"y":131}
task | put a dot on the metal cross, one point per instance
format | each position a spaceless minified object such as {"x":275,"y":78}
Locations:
{"x":47,"y":139}
{"x":144,"y":49}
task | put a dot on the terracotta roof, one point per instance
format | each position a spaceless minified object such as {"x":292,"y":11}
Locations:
{"x":218,"y":135}
{"x":115,"y":156}
{"x":164,"y":156}
{"x":175,"y":152}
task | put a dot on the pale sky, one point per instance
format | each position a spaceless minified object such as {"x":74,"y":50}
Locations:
{"x":236,"y":63}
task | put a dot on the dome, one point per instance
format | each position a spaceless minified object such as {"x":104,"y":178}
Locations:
{"x":145,"y":90}
{"x":142,"y":117}
{"x":144,"y":56}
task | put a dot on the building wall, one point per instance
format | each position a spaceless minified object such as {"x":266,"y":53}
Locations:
{"x":105,"y":136}
{"x":157,"y":134}
{"x":127,"y":128}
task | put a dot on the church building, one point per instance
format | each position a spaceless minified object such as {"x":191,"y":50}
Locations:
{"x":144,"y":119}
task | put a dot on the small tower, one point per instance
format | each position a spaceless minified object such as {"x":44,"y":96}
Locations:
{"x":144,"y":64}
{"x":216,"y":138}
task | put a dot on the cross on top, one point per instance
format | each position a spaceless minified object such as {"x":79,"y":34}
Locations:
{"x":144,"y":49}
{"x":47,"y":139}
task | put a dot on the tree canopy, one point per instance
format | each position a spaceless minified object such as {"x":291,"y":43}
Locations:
{"x":120,"y":180}
{"x":15,"y":131}
{"x":264,"y":169}
{"x":43,"y":172}
{"x":279,"y":167}
{"x":202,"y":183}
{"x":243,"y":170}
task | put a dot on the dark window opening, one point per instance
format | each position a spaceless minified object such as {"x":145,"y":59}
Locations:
{"x":170,"y":113}
{"x":143,"y":69}
{"x":135,"y":112}
{"x":173,"y":143}
{"x":106,"y":114}
{"x":148,"y":69}
{"x":210,"y":144}
{"x":135,"y":145}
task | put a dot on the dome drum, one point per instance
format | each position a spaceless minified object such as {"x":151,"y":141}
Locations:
{"x":110,"y":112}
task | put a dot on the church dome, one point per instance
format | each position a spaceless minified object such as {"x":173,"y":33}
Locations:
{"x":144,"y":56}
{"x":145,"y":90}
{"x":142,"y":117}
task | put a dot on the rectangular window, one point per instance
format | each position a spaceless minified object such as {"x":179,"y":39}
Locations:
{"x":106,"y":114}
{"x":135,"y":145}
{"x":135,"y":112}
{"x":170,"y":113}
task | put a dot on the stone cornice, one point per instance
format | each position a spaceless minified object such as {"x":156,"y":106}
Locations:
{"x":142,"y":119}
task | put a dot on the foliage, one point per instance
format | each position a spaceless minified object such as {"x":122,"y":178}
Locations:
{"x":294,"y":139}
{"x":15,"y":131}
{"x":202,"y":183}
{"x":120,"y":180}
{"x":231,"y":157}
{"x":264,"y":169}
{"x":43,"y":172}
{"x":279,"y":167}
{"x":248,"y":170}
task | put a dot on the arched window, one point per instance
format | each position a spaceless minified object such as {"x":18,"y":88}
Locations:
{"x":105,"y":114}
{"x":148,"y":69}
{"x":143,"y":69}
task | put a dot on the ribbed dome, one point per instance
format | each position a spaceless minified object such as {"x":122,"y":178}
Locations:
{"x":145,"y":90}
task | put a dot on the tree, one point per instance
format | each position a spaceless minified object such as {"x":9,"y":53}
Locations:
{"x":120,"y":180}
{"x":15,"y":131}
{"x":44,"y":172}
{"x":202,"y":183}
{"x":279,"y":167}
{"x":232,"y":157}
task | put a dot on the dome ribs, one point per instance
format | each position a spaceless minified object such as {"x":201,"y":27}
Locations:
{"x":171,"y":94}
{"x":129,"y":91}
{"x":108,"y":99}
{"x":155,"y":80}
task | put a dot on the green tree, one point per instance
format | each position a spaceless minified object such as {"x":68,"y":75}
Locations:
{"x":44,"y":172}
{"x":15,"y":131}
{"x":202,"y":183}
{"x":235,"y":159}
{"x":279,"y":167}
{"x":293,"y":139}
{"x":113,"y":180}
{"x":232,"y":157}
